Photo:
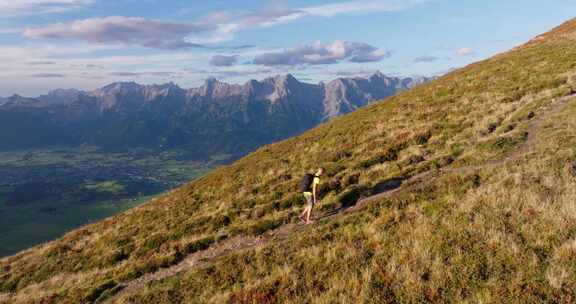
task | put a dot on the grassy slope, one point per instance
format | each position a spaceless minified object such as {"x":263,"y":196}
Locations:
{"x":499,"y":234}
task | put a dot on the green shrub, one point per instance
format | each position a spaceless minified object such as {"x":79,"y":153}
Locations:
{"x":199,"y":245}
{"x":95,"y":293}
{"x":422,"y":138}
{"x":117,"y":257}
{"x":154,"y":242}
{"x":265,"y":225}
{"x":339,"y":155}
{"x":221,"y":221}
{"x":295,"y":199}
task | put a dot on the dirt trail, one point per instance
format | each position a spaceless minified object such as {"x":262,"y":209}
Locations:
{"x":239,"y":243}
{"x":532,"y":130}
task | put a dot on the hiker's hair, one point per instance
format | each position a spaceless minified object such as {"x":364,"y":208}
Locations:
{"x":321,"y":169}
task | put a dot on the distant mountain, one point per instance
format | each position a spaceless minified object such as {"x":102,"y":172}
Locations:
{"x":214,"y":118}
{"x":345,"y":95}
{"x":61,"y":96}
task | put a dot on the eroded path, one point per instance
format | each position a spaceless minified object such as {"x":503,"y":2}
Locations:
{"x":535,"y":125}
{"x":239,"y":243}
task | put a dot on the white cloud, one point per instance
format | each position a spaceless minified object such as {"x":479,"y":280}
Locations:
{"x":465,"y":51}
{"x":323,"y":53}
{"x":124,"y":30}
{"x":48,"y":75}
{"x":355,"y":7}
{"x":14,"y":8}
{"x":213,"y":28}
{"x":223,"y":60}
{"x":362,"y":56}
{"x":76,"y":62}
{"x":279,"y":13}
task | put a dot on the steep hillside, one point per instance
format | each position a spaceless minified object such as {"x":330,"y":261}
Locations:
{"x":474,"y":202}
{"x":214,"y":119}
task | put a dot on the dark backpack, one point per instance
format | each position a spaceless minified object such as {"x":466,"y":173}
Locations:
{"x":306,"y":182}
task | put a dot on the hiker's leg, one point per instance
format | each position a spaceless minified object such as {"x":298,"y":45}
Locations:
{"x":309,"y":213}
{"x":305,"y":208}
{"x":306,"y":212}
{"x":303,"y":214}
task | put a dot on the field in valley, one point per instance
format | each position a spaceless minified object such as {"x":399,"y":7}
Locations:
{"x":45,"y":193}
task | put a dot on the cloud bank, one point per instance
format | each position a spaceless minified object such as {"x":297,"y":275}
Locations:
{"x":360,"y":7}
{"x":48,"y":75}
{"x":324,"y":53}
{"x":124,"y":30}
{"x":14,"y":8}
{"x":223,"y":61}
{"x":215,"y":27}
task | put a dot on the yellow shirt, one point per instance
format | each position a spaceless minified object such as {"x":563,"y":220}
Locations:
{"x":315,"y":183}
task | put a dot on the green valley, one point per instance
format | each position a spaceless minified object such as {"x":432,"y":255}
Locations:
{"x":45,"y":193}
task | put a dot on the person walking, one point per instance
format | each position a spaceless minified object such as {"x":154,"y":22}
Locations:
{"x":309,"y":188}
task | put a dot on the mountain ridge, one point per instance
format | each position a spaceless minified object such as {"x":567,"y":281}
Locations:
{"x":60,"y":95}
{"x":215,"y":118}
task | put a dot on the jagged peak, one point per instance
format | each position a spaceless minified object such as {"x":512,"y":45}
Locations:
{"x":211,"y":80}
{"x":210,"y":83}
{"x":121,"y":86}
{"x":378,"y":74}
{"x":282,"y":79}
{"x":252,"y":84}
{"x":17,"y":99}
{"x":340,"y":81}
{"x":165,"y":86}
{"x":289,"y":77}
{"x":286,"y":78}
{"x":381,"y":76}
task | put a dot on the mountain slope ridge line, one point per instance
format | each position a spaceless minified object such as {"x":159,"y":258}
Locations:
{"x":242,"y":243}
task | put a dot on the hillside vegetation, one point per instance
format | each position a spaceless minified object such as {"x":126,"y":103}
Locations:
{"x":500,"y":229}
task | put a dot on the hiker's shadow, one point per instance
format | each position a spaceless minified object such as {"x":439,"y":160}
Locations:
{"x":354,"y":196}
{"x":388,"y":185}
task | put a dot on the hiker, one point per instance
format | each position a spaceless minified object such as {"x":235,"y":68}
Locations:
{"x":309,"y":188}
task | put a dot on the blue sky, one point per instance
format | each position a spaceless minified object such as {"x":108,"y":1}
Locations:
{"x":47,"y":44}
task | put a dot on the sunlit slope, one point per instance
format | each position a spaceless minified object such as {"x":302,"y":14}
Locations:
{"x":501,"y":229}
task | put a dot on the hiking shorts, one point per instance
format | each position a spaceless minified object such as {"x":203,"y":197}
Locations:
{"x":309,"y":199}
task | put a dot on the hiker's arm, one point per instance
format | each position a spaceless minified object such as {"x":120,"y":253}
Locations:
{"x":314,"y":192}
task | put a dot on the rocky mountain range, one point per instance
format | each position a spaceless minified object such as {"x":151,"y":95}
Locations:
{"x":214,"y":118}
